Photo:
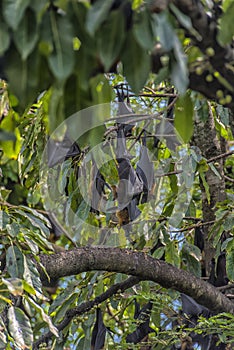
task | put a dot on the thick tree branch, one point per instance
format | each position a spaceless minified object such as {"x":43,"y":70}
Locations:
{"x":137,"y":264}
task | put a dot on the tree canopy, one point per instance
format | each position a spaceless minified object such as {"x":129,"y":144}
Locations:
{"x":116,"y":174}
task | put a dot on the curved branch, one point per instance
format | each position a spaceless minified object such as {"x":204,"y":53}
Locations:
{"x":137,"y":264}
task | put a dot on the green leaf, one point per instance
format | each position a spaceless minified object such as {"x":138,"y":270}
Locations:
{"x":26,"y":36}
{"x":136,"y":63}
{"x":101,"y":90}
{"x":36,"y":214}
{"x":44,"y":316}
{"x":206,"y":185}
{"x":3,"y":335}
{"x":35,"y":221}
{"x":63,"y":296}
{"x":4,"y":220}
{"x":142,"y":29}
{"x":111,"y":38}
{"x":97,"y":14}
{"x":32,"y":283}
{"x":185,"y":21}
{"x":38,"y":5}
{"x":179,"y":70}
{"x":61,"y":61}
{"x":56,"y":108}
{"x":10,"y":148}
{"x":20,"y":328}
{"x":192,"y":256}
{"x":165,"y":31}
{"x":32,"y":276}
{"x":171,"y":253}
{"x":215,"y":171}
{"x":14,"y":285}
{"x":4,"y":38}
{"x":230,"y":264}
{"x":13,"y":11}
{"x":14,"y":262}
{"x":184,"y":117}
{"x":23,"y":76}
{"x":228,"y":223}
{"x":226,"y":28}
{"x":64,"y":306}
{"x":13,"y":229}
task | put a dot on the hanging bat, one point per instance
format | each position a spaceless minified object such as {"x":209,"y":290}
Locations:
{"x":124,"y":109}
{"x":193,"y":310}
{"x":99,"y":332}
{"x":97,"y":188}
{"x":221,"y":273}
{"x":218,"y":274}
{"x":145,"y":171}
{"x":142,"y":331}
{"x":130,"y":185}
{"x":199,"y":238}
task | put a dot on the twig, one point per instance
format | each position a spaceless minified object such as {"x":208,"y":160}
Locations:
{"x":170,"y":173}
{"x":194,"y":226}
{"x":228,"y":178}
{"x":148,"y":122}
{"x":223,"y":155}
{"x":87,"y":306}
{"x":228,"y":286}
{"x":7,"y":204}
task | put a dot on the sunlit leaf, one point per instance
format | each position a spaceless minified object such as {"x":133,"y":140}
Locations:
{"x":20,"y":328}
{"x":35,"y":221}
{"x":184,"y":117}
{"x":44,"y":316}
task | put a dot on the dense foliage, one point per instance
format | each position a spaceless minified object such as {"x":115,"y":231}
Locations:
{"x":81,"y":266}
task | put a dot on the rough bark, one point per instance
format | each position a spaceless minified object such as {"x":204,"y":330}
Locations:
{"x":137,"y":264}
{"x":205,"y":137}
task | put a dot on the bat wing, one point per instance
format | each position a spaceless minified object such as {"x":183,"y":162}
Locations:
{"x":99,"y":332}
{"x":145,"y":171}
{"x":192,"y":308}
{"x":58,"y":151}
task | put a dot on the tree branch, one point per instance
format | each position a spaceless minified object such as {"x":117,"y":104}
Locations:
{"x":137,"y":264}
{"x":87,"y":306}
